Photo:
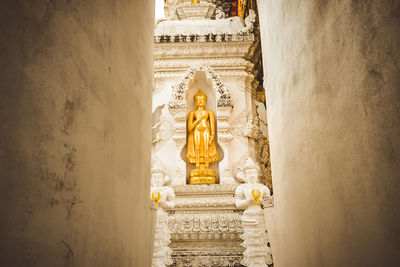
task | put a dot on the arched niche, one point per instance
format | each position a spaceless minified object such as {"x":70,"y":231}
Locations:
{"x":222,"y":93}
{"x":218,"y":98}
{"x":200,"y":81}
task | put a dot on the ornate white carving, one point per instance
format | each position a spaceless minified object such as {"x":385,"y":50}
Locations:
{"x":205,"y":197}
{"x":155,"y":128}
{"x":224,"y":139}
{"x":198,"y":11}
{"x":219,"y":14}
{"x":167,"y":129}
{"x":158,"y":86}
{"x":197,"y":203}
{"x":252,"y":129}
{"x":205,"y":226}
{"x":202,"y":189}
{"x":236,"y":46}
{"x":163,"y":129}
{"x":232,"y":26}
{"x":251,"y":196}
{"x":249,"y":21}
{"x":263,"y":154}
{"x":177,"y":107}
{"x":179,"y":114}
{"x":170,"y":8}
{"x":223,"y":94}
{"x":261,"y":112}
{"x":168,"y":64}
{"x":205,"y":233}
{"x":239,"y":126}
{"x":218,"y":255}
{"x":163,"y":198}
{"x":200,"y":24}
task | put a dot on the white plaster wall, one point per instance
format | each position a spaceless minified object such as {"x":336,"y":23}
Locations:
{"x":75,"y":122}
{"x":332,"y":81}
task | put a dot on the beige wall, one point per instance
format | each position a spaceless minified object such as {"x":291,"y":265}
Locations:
{"x":332,"y":80}
{"x":75,"y":115}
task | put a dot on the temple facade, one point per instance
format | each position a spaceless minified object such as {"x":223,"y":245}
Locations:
{"x":199,"y":46}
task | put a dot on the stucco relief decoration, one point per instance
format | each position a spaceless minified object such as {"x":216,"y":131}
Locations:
{"x":201,"y":10}
{"x":173,"y":30}
{"x":163,"y":198}
{"x":249,"y":22}
{"x":163,"y":128}
{"x":263,"y":156}
{"x":223,"y":94}
{"x":169,"y":8}
{"x":158,"y":86}
{"x":252,"y":128}
{"x":223,"y":261}
{"x":155,"y":127}
{"x":253,"y":131}
{"x":219,"y":14}
{"x":205,"y":226}
{"x":239,"y":126}
{"x":252,"y":196}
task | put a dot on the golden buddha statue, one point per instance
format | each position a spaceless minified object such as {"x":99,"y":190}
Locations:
{"x":201,"y":148}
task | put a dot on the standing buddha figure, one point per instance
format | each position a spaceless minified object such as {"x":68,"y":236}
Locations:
{"x":201,"y":147}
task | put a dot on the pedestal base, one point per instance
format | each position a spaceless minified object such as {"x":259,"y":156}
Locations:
{"x":202,"y":176}
{"x":206,"y":226}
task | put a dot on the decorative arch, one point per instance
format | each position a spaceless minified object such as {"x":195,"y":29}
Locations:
{"x":223,"y":94}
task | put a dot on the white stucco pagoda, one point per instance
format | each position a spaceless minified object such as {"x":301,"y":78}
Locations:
{"x":194,"y":50}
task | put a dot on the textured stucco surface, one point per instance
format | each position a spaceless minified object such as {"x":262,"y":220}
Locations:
{"x":75,"y":116}
{"x":333,"y":90}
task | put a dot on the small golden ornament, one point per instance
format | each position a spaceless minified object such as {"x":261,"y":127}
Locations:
{"x":256,"y":197}
{"x":156,"y":199}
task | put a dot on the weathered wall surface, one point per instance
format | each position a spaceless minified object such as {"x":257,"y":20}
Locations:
{"x":75,"y":116}
{"x":333,"y":90}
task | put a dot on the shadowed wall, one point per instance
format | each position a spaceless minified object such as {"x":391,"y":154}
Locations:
{"x":75,"y":115}
{"x":333,"y":89}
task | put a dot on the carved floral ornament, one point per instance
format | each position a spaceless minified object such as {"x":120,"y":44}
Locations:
{"x":222,"y":261}
{"x":208,"y":38}
{"x":223,"y":94}
{"x":205,"y":226}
